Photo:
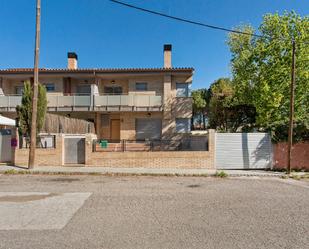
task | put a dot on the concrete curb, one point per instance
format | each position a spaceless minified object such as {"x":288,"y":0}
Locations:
{"x":56,"y":170}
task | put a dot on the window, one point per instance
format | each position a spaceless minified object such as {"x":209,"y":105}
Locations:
{"x":83,"y":89}
{"x":19,"y":90}
{"x":113,"y":90}
{"x":141,"y":86}
{"x":182,"y":90}
{"x":183,"y":125}
{"x":50,"y":87}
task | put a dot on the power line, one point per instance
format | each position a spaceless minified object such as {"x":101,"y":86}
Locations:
{"x":202,"y":24}
{"x":184,"y":20}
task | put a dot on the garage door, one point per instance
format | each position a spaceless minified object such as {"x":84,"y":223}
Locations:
{"x":74,"y":150}
{"x":149,"y":128}
{"x":243,"y":151}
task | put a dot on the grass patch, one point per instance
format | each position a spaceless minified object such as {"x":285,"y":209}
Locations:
{"x":221,"y":174}
{"x":16,"y":172}
{"x":295,"y":177}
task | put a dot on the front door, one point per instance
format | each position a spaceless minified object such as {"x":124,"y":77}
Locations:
{"x":115,"y":129}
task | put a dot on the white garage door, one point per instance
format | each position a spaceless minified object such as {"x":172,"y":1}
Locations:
{"x":149,"y":128}
{"x":243,"y":151}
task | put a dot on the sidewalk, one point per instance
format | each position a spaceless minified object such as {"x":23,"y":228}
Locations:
{"x":138,"y":171}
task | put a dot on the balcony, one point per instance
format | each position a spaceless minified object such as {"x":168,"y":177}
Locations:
{"x":91,"y":103}
{"x":9,"y":103}
{"x":69,"y":103}
{"x":128,"y":103}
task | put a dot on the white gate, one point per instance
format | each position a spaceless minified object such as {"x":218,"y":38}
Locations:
{"x":243,"y":151}
{"x":5,"y":146}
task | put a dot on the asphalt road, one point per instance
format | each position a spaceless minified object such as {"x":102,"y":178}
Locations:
{"x":156,"y":212}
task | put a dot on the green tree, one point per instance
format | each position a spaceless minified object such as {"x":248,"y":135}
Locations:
{"x":24,"y":111}
{"x":200,"y":103}
{"x":261,"y":68}
{"x":225,"y":114}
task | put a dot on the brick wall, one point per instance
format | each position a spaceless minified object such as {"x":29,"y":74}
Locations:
{"x":166,"y":159}
{"x":162,"y":159}
{"x":171,"y":159}
{"x":44,"y":157}
{"x":300,"y":156}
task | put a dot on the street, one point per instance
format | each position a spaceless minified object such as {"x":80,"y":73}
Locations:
{"x":152,"y":212}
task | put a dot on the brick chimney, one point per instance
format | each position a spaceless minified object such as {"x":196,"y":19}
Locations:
{"x":72,"y":60}
{"x":167,"y":56}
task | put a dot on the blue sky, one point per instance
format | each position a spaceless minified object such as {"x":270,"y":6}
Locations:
{"x":104,"y":34}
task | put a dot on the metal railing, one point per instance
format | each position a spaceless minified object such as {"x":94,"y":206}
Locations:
{"x":105,"y":145}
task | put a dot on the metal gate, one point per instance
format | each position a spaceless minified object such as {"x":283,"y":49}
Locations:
{"x":74,"y":150}
{"x":5,"y":146}
{"x":243,"y":151}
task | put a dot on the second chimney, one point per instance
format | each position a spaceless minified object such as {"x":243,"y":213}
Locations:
{"x":167,"y":56}
{"x":72,"y":60}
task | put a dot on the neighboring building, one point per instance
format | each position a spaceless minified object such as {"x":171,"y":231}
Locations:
{"x":126,"y":103}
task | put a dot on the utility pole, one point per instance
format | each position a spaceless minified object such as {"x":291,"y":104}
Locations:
{"x":290,"y":139}
{"x":35,"y":86}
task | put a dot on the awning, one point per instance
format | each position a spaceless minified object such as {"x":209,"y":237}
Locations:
{"x":7,"y":121}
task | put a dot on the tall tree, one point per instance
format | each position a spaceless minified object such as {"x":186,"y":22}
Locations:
{"x":200,"y":103}
{"x":225,"y":114}
{"x":24,"y":111}
{"x":261,"y":68}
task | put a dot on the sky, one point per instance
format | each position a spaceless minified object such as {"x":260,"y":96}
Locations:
{"x":107,"y":35}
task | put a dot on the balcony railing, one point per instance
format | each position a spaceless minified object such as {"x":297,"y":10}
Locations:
{"x":69,"y":101}
{"x":128,"y":100}
{"x":90,"y":102}
{"x":10,"y":101}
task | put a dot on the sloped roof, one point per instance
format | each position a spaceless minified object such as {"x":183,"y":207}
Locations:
{"x":98,"y":70}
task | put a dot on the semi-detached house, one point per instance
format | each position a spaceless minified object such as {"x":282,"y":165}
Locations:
{"x":124,"y":103}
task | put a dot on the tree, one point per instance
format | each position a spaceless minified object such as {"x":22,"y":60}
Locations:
{"x":261,"y":69}
{"x":200,"y":103}
{"x":225,"y":114}
{"x":24,"y":111}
